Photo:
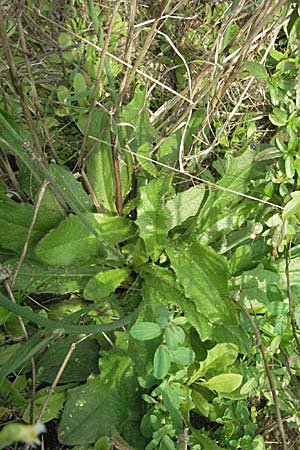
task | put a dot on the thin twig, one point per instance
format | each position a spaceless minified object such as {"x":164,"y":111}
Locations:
{"x":289,"y":294}
{"x":36,"y":210}
{"x":142,"y":53}
{"x":97,"y":83}
{"x":209,"y":183}
{"x":115,"y":58}
{"x":58,"y":376}
{"x":268,"y":373}
{"x":91,"y":191}
{"x":35,"y":98}
{"x":18,"y":87}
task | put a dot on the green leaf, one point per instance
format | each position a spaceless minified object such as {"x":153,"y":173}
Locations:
{"x":144,"y":331}
{"x":79,"y":83}
{"x":152,"y":218}
{"x":99,"y":167}
{"x":279,"y":117}
{"x":257,"y":70}
{"x":204,"y":275}
{"x":104,"y":283}
{"x":53,"y":410}
{"x":205,"y":441}
{"x":66,"y":181}
{"x":217,"y":213}
{"x":219,"y":357}
{"x":161,"y":362}
{"x":226,"y":382}
{"x":171,"y":394}
{"x":160,"y":287}
{"x":293,"y":206}
{"x":142,"y":352}
{"x":83,"y":361}
{"x":110,"y":399}
{"x":63,"y":94}
{"x":183,"y":355}
{"x":35,"y":276}
{"x":174,"y":336}
{"x":255,"y":286}
{"x":15,"y":220}
{"x":72,"y":243}
{"x":186,"y":204}
{"x":141,"y":131}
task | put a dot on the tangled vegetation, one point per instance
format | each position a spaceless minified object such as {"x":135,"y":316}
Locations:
{"x":149,"y":213}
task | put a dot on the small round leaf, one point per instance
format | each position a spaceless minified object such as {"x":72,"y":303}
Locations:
{"x":144,"y":331}
{"x":183,"y":355}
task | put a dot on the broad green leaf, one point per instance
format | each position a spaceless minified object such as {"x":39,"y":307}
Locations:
{"x":83,"y":361}
{"x":66,"y":181}
{"x":219,"y":357}
{"x":148,"y":166}
{"x":203,"y":405}
{"x":249,"y":386}
{"x":110,"y":399}
{"x":160,"y":287}
{"x":204,"y":275}
{"x":226,"y":382}
{"x":63,"y":94}
{"x":79,"y":83}
{"x":72,"y":243}
{"x":35,"y":276}
{"x":161,"y":362}
{"x":136,"y":126}
{"x":220,"y":204}
{"x":144,"y":331}
{"x":183,"y":355}
{"x":152,"y":218}
{"x":257,"y":70}
{"x":99,"y":167}
{"x":241,"y":258}
{"x":174,"y":336}
{"x":104,"y":283}
{"x":15,"y":220}
{"x":102,"y":443}
{"x":279,"y":117}
{"x":53,"y":410}
{"x":184,"y":205}
{"x":255,"y":286}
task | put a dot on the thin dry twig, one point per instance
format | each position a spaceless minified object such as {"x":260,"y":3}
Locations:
{"x":97,"y":83}
{"x":58,"y":376}
{"x":209,"y":183}
{"x":91,"y":191}
{"x":114,"y":57}
{"x":268,"y":373}
{"x":30,"y":229}
{"x":18,"y":86}
{"x":35,"y":97}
